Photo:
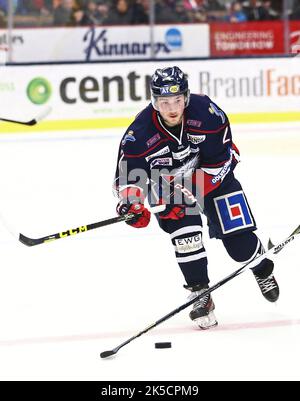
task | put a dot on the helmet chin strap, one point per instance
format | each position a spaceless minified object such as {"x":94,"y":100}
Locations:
{"x":187,"y":98}
{"x":153,"y":101}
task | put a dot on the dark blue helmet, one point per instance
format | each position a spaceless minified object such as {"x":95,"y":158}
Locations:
{"x":169,"y":81}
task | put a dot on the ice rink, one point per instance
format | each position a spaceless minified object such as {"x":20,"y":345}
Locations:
{"x":64,"y":302}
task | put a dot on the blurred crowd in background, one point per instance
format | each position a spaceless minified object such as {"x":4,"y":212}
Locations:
{"x":129,"y":12}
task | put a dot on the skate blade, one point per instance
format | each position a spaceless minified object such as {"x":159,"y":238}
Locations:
{"x":206,"y":322}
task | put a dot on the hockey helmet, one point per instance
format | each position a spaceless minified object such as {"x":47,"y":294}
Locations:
{"x":169,"y":81}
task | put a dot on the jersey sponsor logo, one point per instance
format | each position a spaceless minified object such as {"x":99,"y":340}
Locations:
{"x":233,"y":212}
{"x":163,"y":161}
{"x":225,"y":170}
{"x":161,"y":152}
{"x":188,"y":244}
{"x":194,"y":123}
{"x":153,"y":140}
{"x":183,"y":154}
{"x":128,"y":137}
{"x":213,"y":109}
{"x":196,"y":139}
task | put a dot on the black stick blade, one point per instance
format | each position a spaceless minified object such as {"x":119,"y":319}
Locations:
{"x":106,"y":354}
{"x":297,"y":231}
{"x":31,"y":122}
{"x":26,"y":241}
{"x":270,"y":244}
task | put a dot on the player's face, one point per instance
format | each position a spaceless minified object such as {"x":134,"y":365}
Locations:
{"x":171,"y":109}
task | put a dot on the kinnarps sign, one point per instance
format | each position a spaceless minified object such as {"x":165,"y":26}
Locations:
{"x":110,"y":43}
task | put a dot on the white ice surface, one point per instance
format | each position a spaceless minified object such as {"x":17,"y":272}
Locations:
{"x":63,"y":303}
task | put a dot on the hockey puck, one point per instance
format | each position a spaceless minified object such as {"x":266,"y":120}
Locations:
{"x":163,"y":345}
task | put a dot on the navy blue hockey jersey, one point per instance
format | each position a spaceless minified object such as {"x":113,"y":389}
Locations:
{"x":149,"y":146}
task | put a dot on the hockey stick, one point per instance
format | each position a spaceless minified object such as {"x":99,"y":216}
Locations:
{"x":52,"y":237}
{"x":34,"y":121}
{"x":274,"y":250}
{"x":37,"y":241}
{"x":187,"y":169}
{"x":126,"y":217}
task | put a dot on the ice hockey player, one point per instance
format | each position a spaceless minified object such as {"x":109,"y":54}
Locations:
{"x":176,"y":130}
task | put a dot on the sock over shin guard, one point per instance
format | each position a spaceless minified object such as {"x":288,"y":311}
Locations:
{"x":246,"y":246}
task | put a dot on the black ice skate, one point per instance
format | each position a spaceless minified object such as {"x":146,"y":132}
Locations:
{"x":267,"y":283}
{"x":202,"y":313}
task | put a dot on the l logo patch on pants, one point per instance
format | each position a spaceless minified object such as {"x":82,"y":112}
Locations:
{"x":233,"y":212}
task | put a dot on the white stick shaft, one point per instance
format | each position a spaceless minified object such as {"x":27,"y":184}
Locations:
{"x":43,"y":114}
{"x":9,"y":228}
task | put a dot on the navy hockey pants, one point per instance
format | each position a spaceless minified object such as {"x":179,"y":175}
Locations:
{"x":229,"y":218}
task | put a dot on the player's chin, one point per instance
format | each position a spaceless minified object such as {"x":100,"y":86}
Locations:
{"x":172,"y":121}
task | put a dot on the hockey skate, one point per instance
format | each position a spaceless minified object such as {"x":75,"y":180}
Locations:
{"x":203,"y":309}
{"x":267,"y":283}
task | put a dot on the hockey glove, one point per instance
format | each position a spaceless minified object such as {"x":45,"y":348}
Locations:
{"x":142,"y":217}
{"x":173,"y":212}
{"x":132,"y":201}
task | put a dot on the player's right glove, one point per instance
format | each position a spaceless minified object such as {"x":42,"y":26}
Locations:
{"x":142,"y":217}
{"x":132,"y":202}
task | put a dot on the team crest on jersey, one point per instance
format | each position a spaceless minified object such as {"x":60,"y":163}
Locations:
{"x":196,"y":139}
{"x":213,"y":109}
{"x":233,"y":212}
{"x":128,"y":137}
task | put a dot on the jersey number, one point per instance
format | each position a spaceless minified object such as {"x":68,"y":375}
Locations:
{"x":225,"y":137}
